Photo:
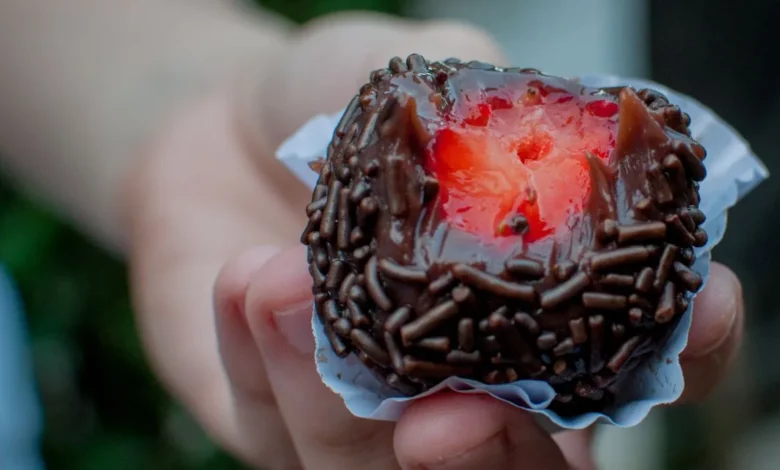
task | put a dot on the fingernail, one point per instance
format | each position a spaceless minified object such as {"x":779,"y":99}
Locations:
{"x":294,"y":324}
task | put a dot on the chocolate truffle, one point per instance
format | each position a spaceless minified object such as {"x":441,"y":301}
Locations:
{"x":501,"y":224}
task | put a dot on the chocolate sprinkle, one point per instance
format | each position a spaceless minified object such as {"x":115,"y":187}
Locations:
{"x":618,"y":280}
{"x":641,"y":232}
{"x":330,"y":311}
{"x":564,"y":398}
{"x":692,"y":162}
{"x":700,"y":238}
{"x":462,"y":357}
{"x":623,"y":354}
{"x":357,"y":293}
{"x":644,"y":281}
{"x":374,"y":286}
{"x":607,"y":230}
{"x":336,"y":274}
{"x":639,"y":301}
{"x":689,"y":277}
{"x":596,"y":324}
{"x":356,"y":236}
{"x":492,"y":284}
{"x":367,"y":208}
{"x":493,"y":377}
{"x":564,"y":347}
{"x":618,"y":330}
{"x":564,"y":269}
{"x":328,"y":224}
{"x":368,"y":131}
{"x":342,"y":327}
{"x":666,"y":305}
{"x":428,"y":321}
{"x":344,"y":223}
{"x":336,"y":343}
{"x":356,"y":315}
{"x":512,"y":344}
{"x":316,"y":275}
{"x":546,"y":341}
{"x":438,"y":344}
{"x":560,"y":367}
{"x":398,"y":319}
{"x":401,"y":273}
{"x":346,"y":285}
{"x":697,"y":215}
{"x":635,"y":315}
{"x":440,"y":284}
{"x":367,"y":344}
{"x":466,"y":334}
{"x":394,"y":352}
{"x":410,"y":294}
{"x":360,"y":190}
{"x":601,"y":301}
{"x":397,"y":383}
{"x":678,"y":228}
{"x":667,"y":259}
{"x":416,"y":367}
{"x":527,"y":322}
{"x":416,"y":63}
{"x":525,"y":267}
{"x":565,"y":291}
{"x":686,"y":219}
{"x":316,"y":205}
{"x":462,"y":295}
{"x":619,"y":257}
{"x":586,"y":390}
{"x":397,"y":65}
{"x":578,"y":332}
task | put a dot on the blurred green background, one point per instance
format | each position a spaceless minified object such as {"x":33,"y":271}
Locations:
{"x":104,"y":410}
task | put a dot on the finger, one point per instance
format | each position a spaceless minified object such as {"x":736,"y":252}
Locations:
{"x":451,"y":431}
{"x":577,"y":448}
{"x":716,"y":333}
{"x":326,"y":435}
{"x":259,"y":434}
{"x":328,"y":60}
{"x":196,"y":202}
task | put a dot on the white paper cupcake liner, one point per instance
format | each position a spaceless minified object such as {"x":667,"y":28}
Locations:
{"x":732,"y":171}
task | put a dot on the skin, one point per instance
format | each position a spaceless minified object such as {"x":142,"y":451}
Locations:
{"x":263,"y":299}
{"x":209,"y":221}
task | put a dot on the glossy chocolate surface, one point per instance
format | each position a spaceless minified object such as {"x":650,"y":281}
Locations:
{"x":418,"y":298}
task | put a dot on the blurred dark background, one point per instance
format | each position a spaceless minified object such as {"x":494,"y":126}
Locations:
{"x":104,"y":410}
{"x":725,"y":54}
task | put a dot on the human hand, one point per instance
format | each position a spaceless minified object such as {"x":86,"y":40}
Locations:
{"x":264,"y":316}
{"x":210,"y":189}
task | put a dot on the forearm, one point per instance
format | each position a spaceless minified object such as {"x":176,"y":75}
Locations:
{"x":84,"y":85}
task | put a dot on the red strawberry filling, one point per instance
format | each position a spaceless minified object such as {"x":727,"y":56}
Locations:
{"x":519,"y":150}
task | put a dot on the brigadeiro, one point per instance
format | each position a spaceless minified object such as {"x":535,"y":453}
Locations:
{"x":500,"y":224}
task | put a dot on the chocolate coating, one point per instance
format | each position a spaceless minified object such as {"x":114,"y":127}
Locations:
{"x":419,"y":300}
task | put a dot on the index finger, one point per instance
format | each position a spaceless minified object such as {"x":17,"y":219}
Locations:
{"x":327,"y":61}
